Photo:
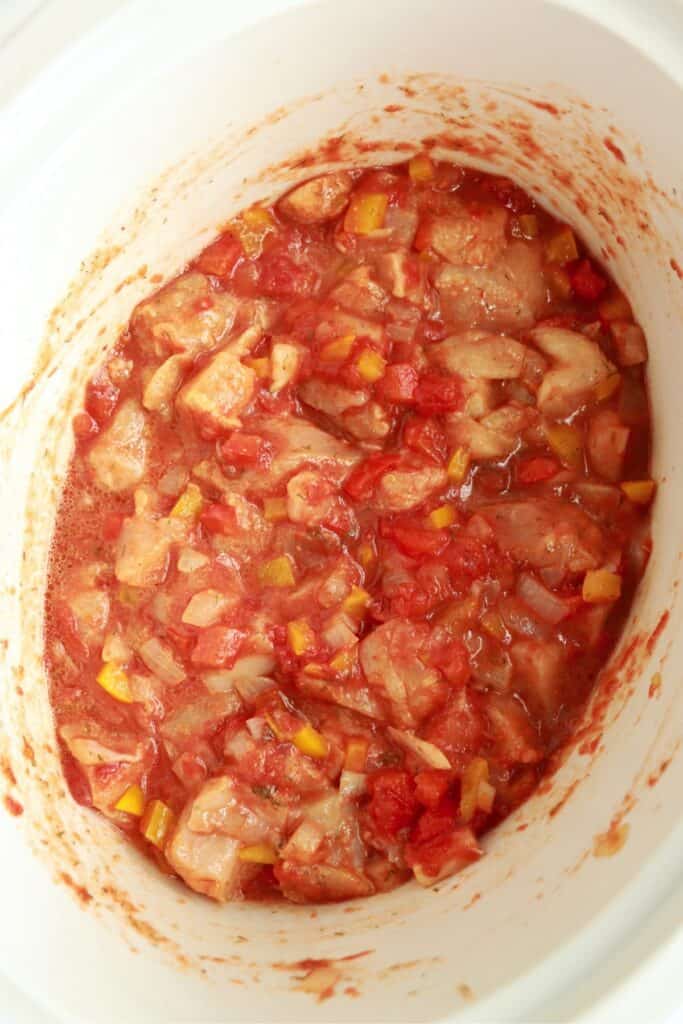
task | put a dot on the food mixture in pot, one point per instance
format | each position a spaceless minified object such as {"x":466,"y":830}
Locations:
{"x":357,"y":508}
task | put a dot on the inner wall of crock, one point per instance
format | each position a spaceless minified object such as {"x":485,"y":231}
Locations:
{"x":195,"y":171}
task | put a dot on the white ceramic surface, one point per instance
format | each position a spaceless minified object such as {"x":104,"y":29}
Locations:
{"x":136,"y":144}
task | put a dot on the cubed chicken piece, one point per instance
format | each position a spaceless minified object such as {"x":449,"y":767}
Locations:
{"x":321,"y":883}
{"x":199,"y":720}
{"x":479,"y":396}
{"x":472,"y":235}
{"x":118,"y":458}
{"x":143,"y":549}
{"x":477,"y":354}
{"x":95,"y":748}
{"x":318,"y":200}
{"x":185,"y":316}
{"x":538,"y":671}
{"x":371,"y":423}
{"x":225,"y":816}
{"x":579,"y":366}
{"x":546,"y":534}
{"x":455,"y":851}
{"x":297,"y":442}
{"x":361,"y":294}
{"x":403,"y":274}
{"x":354,"y":694}
{"x":251,"y":532}
{"x":606,"y":443}
{"x":390,"y":659}
{"x":311,"y":498}
{"x":338,"y":324}
{"x":219,"y":392}
{"x":400,"y":490}
{"x":329,"y":397}
{"x":285,"y":359}
{"x":163,"y":384}
{"x":506,"y":296}
{"x":516,"y":740}
{"x":629,"y":343}
{"x":496,"y":435}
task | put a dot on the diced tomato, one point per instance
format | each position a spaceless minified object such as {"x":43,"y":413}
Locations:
{"x":451,"y":657}
{"x":469,"y":558}
{"x":437,"y":841}
{"x":285,"y":279}
{"x":361,"y":484}
{"x":217,"y":647}
{"x":537,"y":469}
{"x":431,"y":787}
{"x":427,"y":438}
{"x":111,"y":527}
{"x":393,"y":805}
{"x":412,"y":538}
{"x":220,"y":257}
{"x":218,"y":519}
{"x":586,"y":283}
{"x":436,"y":394}
{"x":84,"y":426}
{"x":399,"y":383}
{"x":101,"y":397}
{"x":242,"y":449}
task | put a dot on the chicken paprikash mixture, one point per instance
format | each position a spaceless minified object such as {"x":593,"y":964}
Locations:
{"x":356,"y":511}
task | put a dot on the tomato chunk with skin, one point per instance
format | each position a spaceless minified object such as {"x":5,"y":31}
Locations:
{"x":357,"y":506}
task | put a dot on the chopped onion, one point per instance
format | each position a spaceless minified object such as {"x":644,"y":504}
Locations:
{"x":190,"y":560}
{"x":352,"y":784}
{"x":173,"y":480}
{"x":251,"y":688}
{"x":492,"y":665}
{"x":326,"y":812}
{"x":239,"y":745}
{"x":159,"y":659}
{"x":547,"y":605}
{"x":338,"y":632}
{"x":205,"y":608}
{"x":304,"y":842}
{"x":248,"y":676}
{"x":430,"y":754}
{"x":256,"y":726}
{"x":115,"y":649}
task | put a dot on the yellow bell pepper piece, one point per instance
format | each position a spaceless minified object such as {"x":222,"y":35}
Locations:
{"x":371,"y":365}
{"x":601,"y":586}
{"x":493,"y":623}
{"x":365,"y":213}
{"x":275,"y":509}
{"x":259,"y":853}
{"x":190,"y":503}
{"x":300,"y":636}
{"x":157,"y":822}
{"x":366,"y":555}
{"x":314,"y":668}
{"x":458,"y":465}
{"x":567,"y":443}
{"x":277,"y":573}
{"x":309,"y":741}
{"x":260,"y":366}
{"x":114,"y":680}
{"x":132,"y":801}
{"x":337,"y":350}
{"x":561,"y":248}
{"x":442,"y":517}
{"x":476,"y":772}
{"x":640,"y":492}
{"x":356,"y":602}
{"x":345,"y":659}
{"x":421,"y":168}
{"x":258,"y":217}
{"x":607,"y":387}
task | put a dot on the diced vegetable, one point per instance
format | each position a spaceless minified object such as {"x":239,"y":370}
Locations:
{"x":607,"y":387}
{"x":278,"y":572}
{"x":548,"y":606}
{"x":115,"y":681}
{"x":356,"y":602}
{"x":160,"y":660}
{"x":443,"y":516}
{"x":567,"y":443}
{"x":190,"y":560}
{"x":260,"y":366}
{"x":615,"y":307}
{"x":558,"y":281}
{"x":427,"y":752}
{"x":300,"y":636}
{"x":528,"y":225}
{"x":355,"y":758}
{"x":476,"y":773}
{"x":640,"y":492}
{"x":586,"y":283}
{"x":601,"y":586}
{"x":338,"y":350}
{"x":629,"y":343}
{"x":421,"y":168}
{"x":206,"y":607}
{"x":309,"y":741}
{"x":345,"y":659}
{"x":352,"y":784}
{"x":275,"y":509}
{"x":157,"y":822}
{"x":252,"y":227}
{"x":366,"y":212}
{"x":562,"y":247}
{"x":458,"y":465}
{"x":371,"y":365}
{"x":366,"y":555}
{"x":258,"y":853}
{"x":132,"y":801}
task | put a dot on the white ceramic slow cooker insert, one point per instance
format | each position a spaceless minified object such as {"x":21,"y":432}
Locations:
{"x":119,"y":163}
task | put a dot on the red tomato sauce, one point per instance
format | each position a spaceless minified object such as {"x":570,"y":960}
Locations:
{"x":355,"y":514}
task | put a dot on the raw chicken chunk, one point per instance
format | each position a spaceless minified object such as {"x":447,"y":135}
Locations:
{"x":118,"y":458}
{"x":185,"y":316}
{"x":318,"y":200}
